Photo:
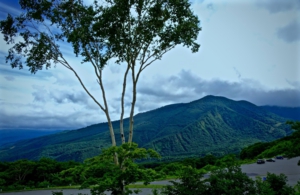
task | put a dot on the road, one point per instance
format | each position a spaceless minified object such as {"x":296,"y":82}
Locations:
{"x":288,"y":167}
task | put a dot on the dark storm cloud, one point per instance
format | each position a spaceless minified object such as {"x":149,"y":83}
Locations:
{"x":187,"y":87}
{"x":290,"y":32}
{"x":275,"y":6}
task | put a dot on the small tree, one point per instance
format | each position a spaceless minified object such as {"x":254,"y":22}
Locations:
{"x":102,"y":171}
{"x":191,"y":182}
{"x":278,"y":183}
{"x":133,"y":33}
{"x":230,"y":180}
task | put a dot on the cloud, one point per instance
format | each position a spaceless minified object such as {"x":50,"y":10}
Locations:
{"x":59,"y":96}
{"x":290,"y":32}
{"x":67,"y":108}
{"x":186,"y":87}
{"x":46,"y":120}
{"x":275,"y":6}
{"x":48,"y":115}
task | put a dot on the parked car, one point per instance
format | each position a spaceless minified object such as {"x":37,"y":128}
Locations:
{"x":260,"y":161}
{"x":270,"y":160}
{"x":279,"y":157}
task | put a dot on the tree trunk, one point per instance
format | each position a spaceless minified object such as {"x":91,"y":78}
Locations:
{"x":122,"y":106}
{"x":131,"y":121}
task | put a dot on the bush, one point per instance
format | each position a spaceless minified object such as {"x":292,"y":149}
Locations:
{"x":43,"y":184}
{"x":230,"y":180}
{"x":278,"y":184}
{"x":190,"y":183}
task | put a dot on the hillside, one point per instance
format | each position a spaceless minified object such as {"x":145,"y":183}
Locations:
{"x":288,"y":146}
{"x":14,"y":135}
{"x":215,"y":125}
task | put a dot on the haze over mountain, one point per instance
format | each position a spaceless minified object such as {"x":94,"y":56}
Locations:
{"x":292,"y":113}
{"x":8,"y":136}
{"x":211,"y":125}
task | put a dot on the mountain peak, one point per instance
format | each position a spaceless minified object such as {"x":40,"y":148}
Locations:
{"x":212,"y":124}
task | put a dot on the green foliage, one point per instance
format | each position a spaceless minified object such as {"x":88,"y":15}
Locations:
{"x":297,"y":188}
{"x":278,"y":184}
{"x":190,"y":183}
{"x":263,"y":187}
{"x":289,"y":146}
{"x":173,"y":169}
{"x":279,"y":148}
{"x":32,"y":174}
{"x":222,"y":181}
{"x":200,"y":162}
{"x":102,"y":172}
{"x":294,"y":125}
{"x":226,"y":161}
{"x":230,"y":180}
{"x":43,"y":184}
{"x":252,"y":151}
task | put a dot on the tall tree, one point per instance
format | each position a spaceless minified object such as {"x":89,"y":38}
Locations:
{"x":132,"y":33}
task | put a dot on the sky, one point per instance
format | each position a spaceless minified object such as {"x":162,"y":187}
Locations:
{"x":250,"y":50}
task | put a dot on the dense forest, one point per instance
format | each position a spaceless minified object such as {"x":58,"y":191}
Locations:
{"x":289,"y":146}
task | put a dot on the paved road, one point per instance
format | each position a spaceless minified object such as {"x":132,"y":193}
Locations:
{"x":288,"y":167}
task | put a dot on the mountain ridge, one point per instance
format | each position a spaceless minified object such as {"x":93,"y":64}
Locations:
{"x":210,"y":125}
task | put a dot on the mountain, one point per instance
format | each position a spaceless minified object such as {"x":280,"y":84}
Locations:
{"x":292,"y":113}
{"x":288,"y":146}
{"x":211,"y":125}
{"x":8,"y":136}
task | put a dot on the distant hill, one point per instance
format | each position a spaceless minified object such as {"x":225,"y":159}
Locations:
{"x":9,"y":136}
{"x":286,"y":112}
{"x":288,"y":146}
{"x":211,"y":125}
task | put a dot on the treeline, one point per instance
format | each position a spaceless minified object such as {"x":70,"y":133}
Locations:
{"x":225,"y":177}
{"x":288,"y":146}
{"x":230,"y":180}
{"x":26,"y":174}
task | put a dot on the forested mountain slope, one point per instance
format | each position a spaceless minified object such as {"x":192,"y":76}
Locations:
{"x":215,"y":125}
